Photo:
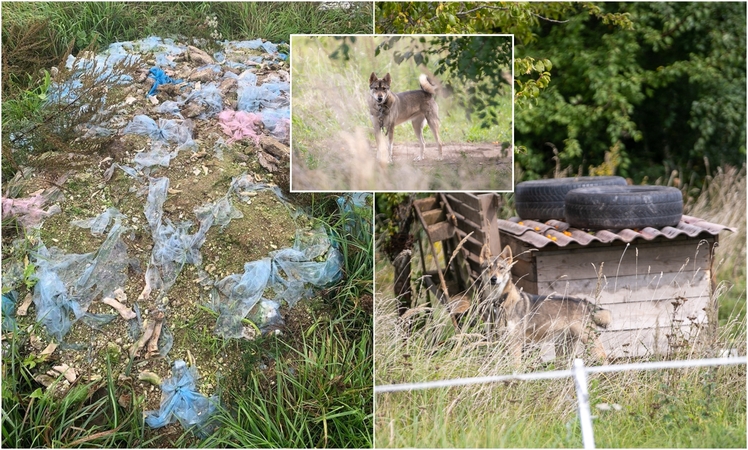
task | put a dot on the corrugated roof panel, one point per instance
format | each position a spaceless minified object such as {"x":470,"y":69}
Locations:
{"x":560,"y":233}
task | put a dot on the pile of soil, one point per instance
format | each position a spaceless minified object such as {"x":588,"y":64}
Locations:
{"x":197,"y":176}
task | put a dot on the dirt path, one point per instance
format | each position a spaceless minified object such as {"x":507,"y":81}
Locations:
{"x":464,"y":166}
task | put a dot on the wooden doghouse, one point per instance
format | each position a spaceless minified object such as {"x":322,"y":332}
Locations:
{"x":658,"y":284}
{"x":451,"y":219}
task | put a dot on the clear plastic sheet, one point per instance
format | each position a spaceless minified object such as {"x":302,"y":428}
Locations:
{"x":68,"y":283}
{"x":289,"y":272}
{"x":100,"y":223}
{"x":181,"y":401}
{"x":166,"y":130}
{"x":158,"y":155}
{"x":208,"y":97}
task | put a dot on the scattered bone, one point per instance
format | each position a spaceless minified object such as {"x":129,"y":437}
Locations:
{"x":153,"y":344}
{"x":64,"y":370}
{"x":36,"y":342}
{"x":150,"y":336}
{"x":44,"y":380}
{"x":48,"y":350}
{"x":147,"y":333}
{"x":153,"y":100}
{"x":123,"y":310}
{"x":120,"y":295}
{"x":150,"y":377}
{"x":24,"y":308}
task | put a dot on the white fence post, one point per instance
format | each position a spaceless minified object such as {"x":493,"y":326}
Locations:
{"x":583,"y":401}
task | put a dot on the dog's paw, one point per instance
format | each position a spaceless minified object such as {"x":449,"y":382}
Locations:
{"x":418,"y":158}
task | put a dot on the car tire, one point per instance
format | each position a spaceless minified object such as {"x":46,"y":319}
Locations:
{"x":543,"y":200}
{"x":618,"y":207}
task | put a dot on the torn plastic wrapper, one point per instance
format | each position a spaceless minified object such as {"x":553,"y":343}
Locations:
{"x":9,"y":311}
{"x":68,"y":283}
{"x":251,"y":98}
{"x":100,"y":223}
{"x":288,"y":272}
{"x":300,"y":266}
{"x":208,"y":97}
{"x":28,"y":211}
{"x":159,"y":77}
{"x":166,"y":130}
{"x":238,"y":295}
{"x":158,"y":155}
{"x":181,"y":401}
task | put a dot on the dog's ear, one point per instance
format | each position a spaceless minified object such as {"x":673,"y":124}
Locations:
{"x":485,"y":256}
{"x":387,"y":79}
{"x":372,"y":78}
{"x":506,"y":254}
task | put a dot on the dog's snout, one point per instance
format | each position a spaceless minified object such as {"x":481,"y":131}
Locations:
{"x":494,"y":280}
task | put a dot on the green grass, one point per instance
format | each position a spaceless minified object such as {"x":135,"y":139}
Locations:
{"x":87,"y":416}
{"x":695,"y":408}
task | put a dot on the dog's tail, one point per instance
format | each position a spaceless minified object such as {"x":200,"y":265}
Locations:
{"x":602,"y":318}
{"x":426,"y":84}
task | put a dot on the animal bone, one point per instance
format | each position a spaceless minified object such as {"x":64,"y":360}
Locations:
{"x":123,"y":310}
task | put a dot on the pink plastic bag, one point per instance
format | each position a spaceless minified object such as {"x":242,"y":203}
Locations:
{"x":240,"y":124}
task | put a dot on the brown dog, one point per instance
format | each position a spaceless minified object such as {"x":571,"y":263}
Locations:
{"x":388,"y":110}
{"x":564,"y":320}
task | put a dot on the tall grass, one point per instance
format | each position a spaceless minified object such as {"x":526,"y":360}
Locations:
{"x":320,"y":391}
{"x":704,"y":407}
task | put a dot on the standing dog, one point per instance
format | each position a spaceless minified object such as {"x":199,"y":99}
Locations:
{"x":389,"y":110}
{"x":565,"y":320}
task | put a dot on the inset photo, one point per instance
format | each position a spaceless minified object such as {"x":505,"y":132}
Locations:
{"x":402,"y":113}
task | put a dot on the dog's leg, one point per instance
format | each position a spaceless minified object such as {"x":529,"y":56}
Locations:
{"x":391,"y":137}
{"x":377,"y":135}
{"x":418,"y":124}
{"x":434,"y":125}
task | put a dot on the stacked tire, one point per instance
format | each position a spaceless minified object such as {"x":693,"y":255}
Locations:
{"x":599,"y":203}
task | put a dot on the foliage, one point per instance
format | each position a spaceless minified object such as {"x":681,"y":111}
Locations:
{"x":477,"y":68}
{"x":654,"y":86}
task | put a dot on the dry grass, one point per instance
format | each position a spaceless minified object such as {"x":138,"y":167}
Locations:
{"x":673,"y":408}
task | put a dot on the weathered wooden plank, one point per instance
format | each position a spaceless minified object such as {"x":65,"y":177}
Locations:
{"x":440,"y":231}
{"x":636,"y":315}
{"x":465,"y":198}
{"x":584,"y":263}
{"x":470,"y":226}
{"x":489,"y":207}
{"x":524,"y":269}
{"x":519,"y":248}
{"x":434,"y":216}
{"x":644,"y":342}
{"x":425,"y":204}
{"x":467,"y":212}
{"x":633,"y":288}
{"x":472,"y":244}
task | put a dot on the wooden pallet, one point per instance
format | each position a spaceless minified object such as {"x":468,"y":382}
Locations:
{"x":465,"y":224}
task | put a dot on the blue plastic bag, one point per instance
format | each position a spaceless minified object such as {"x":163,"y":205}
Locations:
{"x":159,"y":77}
{"x":9,"y":311}
{"x":181,"y":401}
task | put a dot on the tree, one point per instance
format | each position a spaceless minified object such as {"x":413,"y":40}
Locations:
{"x":636,"y":89}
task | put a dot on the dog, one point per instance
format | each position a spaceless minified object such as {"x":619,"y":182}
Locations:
{"x":388,"y":110}
{"x":528,"y":317}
